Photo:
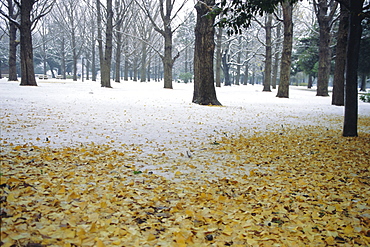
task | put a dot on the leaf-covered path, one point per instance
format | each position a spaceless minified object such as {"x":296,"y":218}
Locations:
{"x":304,"y":186}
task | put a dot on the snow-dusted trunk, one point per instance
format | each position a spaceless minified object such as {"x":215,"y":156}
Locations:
{"x":218,"y":57}
{"x":276,"y":58}
{"x":12,"y":44}
{"x":74,"y":50}
{"x":100,"y":35}
{"x":340,"y":59}
{"x":118,"y":54}
{"x":226,"y":68}
{"x":204,"y":88}
{"x":28,"y":72}
{"x":246,"y":69}
{"x":107,"y":59}
{"x":238,"y":66}
{"x":63,"y":58}
{"x":268,"y":54}
{"x":286,"y":56}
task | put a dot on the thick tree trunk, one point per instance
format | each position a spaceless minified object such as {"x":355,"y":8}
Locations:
{"x":340,"y":59}
{"x":286,"y":56}
{"x":324,"y":19}
{"x":107,"y":60}
{"x":353,"y":49}
{"x":12,"y":44}
{"x":28,"y":72}
{"x":268,"y":55}
{"x":218,"y":57}
{"x":204,"y":88}
{"x":324,"y":61}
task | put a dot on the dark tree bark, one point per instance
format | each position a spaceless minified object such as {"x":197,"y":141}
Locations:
{"x":340,"y":59}
{"x":268,"y":55}
{"x":286,"y":56}
{"x":353,"y":49}
{"x":363,"y":82}
{"x":28,"y":71}
{"x":204,"y":88}
{"x":12,"y":43}
{"x":324,"y":19}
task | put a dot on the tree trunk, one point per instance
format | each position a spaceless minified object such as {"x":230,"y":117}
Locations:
{"x":353,"y":49}
{"x":134,"y":65}
{"x":218,"y":57}
{"x":340,"y":59}
{"x":167,"y":58}
{"x":323,"y":73}
{"x":28,"y":72}
{"x":363,"y":82}
{"x":238,"y":66}
{"x":125,"y":71}
{"x":12,"y":44}
{"x":107,"y":60}
{"x":268,"y":55}
{"x":204,"y":88}
{"x":276,"y":58}
{"x":118,"y":52}
{"x":286,"y":56}
{"x":148,"y":75}
{"x":310,"y":81}
{"x":143,"y":62}
{"x":245,"y":78}
{"x":74,"y":52}
{"x":100,"y":36}
{"x":226,"y":68}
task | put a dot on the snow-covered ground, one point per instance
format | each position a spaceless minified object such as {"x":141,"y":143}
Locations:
{"x":65,"y":113}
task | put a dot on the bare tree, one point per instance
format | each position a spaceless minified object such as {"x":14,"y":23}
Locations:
{"x":31,"y":11}
{"x":168,"y":26}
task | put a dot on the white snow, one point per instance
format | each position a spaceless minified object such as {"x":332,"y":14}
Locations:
{"x":68,"y":113}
